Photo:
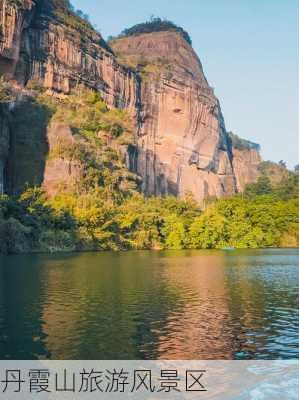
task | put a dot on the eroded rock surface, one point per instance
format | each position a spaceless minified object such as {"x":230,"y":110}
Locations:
{"x":246,"y":163}
{"x":40,"y":44}
{"x":15,"y":19}
{"x":182,"y":143}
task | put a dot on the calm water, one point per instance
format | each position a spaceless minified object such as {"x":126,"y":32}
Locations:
{"x":151,"y":305}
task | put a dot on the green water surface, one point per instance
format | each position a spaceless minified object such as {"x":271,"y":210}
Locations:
{"x":151,"y":305}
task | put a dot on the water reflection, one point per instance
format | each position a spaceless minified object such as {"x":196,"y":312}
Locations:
{"x":263,"y":301}
{"x":202,"y":325}
{"x":149,"y":305}
{"x":21,"y":307}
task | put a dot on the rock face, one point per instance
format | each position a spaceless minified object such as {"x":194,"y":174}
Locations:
{"x":245,"y":164}
{"x":182,"y":143}
{"x":40,"y":44}
{"x":43,"y":45}
{"x":15,"y":19}
{"x":60,"y":172}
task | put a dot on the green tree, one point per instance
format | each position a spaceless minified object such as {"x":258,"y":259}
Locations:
{"x":208,"y":231}
{"x":174,"y":232}
{"x":262,"y":187}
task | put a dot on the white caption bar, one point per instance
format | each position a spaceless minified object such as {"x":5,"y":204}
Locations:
{"x":231,"y":380}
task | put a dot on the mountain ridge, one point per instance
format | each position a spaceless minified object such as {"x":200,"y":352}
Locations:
{"x":181,"y":141}
{"x":97,"y":155}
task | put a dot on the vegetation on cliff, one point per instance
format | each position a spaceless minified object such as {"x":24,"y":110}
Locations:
{"x":74,"y":19}
{"x":100,"y":137}
{"x":242,"y":144}
{"x":276,"y":172}
{"x":105,"y":211}
{"x":149,"y":68}
{"x":155,"y":24}
{"x":5,"y":93}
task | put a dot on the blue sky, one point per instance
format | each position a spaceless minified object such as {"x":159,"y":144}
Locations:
{"x":250,"y":53}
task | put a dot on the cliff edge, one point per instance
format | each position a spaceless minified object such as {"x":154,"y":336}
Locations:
{"x":181,"y":143}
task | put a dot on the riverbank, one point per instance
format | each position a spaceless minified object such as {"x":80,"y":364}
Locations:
{"x":91,"y":222}
{"x":90,"y":201}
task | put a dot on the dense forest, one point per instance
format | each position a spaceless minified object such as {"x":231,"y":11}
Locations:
{"x":106,"y":211}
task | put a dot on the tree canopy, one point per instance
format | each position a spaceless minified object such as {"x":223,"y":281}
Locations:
{"x":106,"y":211}
{"x":242,"y":144}
{"x":155,"y":24}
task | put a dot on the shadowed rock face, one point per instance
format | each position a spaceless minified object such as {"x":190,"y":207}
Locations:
{"x":40,"y":45}
{"x":182,"y":144}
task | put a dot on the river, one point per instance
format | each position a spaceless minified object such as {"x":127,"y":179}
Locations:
{"x":240,"y":304}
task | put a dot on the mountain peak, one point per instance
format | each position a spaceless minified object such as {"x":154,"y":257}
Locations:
{"x":155,"y":24}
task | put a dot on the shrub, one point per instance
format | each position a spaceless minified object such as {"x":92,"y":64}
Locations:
{"x":242,"y":144}
{"x":14,"y":237}
{"x":155,"y":24}
{"x":5,"y":92}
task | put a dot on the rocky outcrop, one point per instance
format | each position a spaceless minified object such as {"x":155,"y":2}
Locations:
{"x":61,"y":173}
{"x":245,"y":164}
{"x":15,"y":19}
{"x":182,"y":143}
{"x":44,"y":45}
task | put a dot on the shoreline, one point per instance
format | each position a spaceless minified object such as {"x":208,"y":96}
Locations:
{"x":54,"y":253}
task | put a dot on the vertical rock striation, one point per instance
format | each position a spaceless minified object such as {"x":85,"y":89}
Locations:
{"x":15,"y":19}
{"x":182,"y":144}
{"x":245,"y":164}
{"x":42,"y":43}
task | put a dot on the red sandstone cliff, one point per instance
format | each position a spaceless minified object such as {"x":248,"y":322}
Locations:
{"x":182,"y":144}
{"x":40,"y":43}
{"x":245,"y":164}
